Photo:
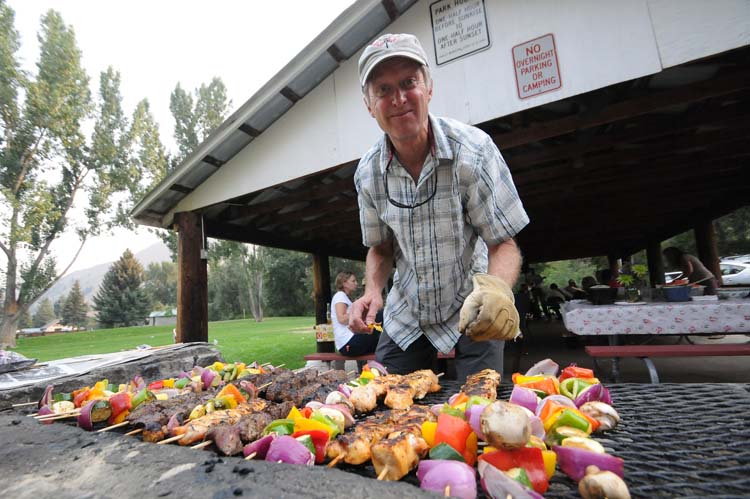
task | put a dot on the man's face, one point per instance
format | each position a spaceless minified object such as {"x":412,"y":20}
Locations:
{"x":398,"y":98}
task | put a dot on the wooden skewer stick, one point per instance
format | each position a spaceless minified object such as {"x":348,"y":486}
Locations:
{"x":134,"y":432}
{"x":265,"y":385}
{"x":24,"y":404}
{"x":280,"y":365}
{"x":250,"y":456}
{"x":202,"y":444}
{"x":266,"y":364}
{"x":54,"y":417}
{"x":118,"y":425}
{"x":336,"y":460}
{"x":448,"y":490}
{"x":382,"y":474}
{"x":169,"y":440}
{"x":440,"y":375}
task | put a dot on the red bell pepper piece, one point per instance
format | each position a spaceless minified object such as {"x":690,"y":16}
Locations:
{"x":547,"y":385}
{"x":319,"y":439}
{"x":80,"y":398}
{"x":573,"y":371}
{"x":120,"y":402}
{"x":156,"y":385}
{"x":453,"y":431}
{"x":528,"y":458}
{"x":306,"y":412}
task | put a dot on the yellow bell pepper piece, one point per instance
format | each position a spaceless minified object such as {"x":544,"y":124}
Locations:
{"x":101,"y":385}
{"x":367,"y":375}
{"x":428,"y":432}
{"x":294,"y":415}
{"x":304,"y":424}
{"x":550,"y":460}
{"x":218,"y":366}
{"x":120,"y":417}
{"x":168,"y":383}
{"x":162,"y":396}
{"x":489,"y":449}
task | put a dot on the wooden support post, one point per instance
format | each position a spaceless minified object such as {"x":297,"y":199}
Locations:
{"x":705,"y":244}
{"x":192,"y":281}
{"x":321,"y":286}
{"x":655,"y":263}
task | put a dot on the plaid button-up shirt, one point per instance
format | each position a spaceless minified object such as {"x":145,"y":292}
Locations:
{"x":439,"y":244}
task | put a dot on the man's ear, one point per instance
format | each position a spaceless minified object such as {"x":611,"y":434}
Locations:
{"x":367,"y":105}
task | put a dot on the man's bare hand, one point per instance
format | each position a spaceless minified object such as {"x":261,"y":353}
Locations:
{"x":362,"y":313}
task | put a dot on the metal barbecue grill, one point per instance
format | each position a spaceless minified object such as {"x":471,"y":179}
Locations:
{"x":677,"y":440}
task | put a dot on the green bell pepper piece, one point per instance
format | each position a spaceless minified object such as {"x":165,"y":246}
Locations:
{"x":453,"y":411}
{"x":572,"y":387}
{"x":141,"y":397}
{"x":570,"y":418}
{"x":279,"y":427}
{"x":445,"y":451}
{"x":181,"y":383}
{"x":62,"y":397}
{"x":520,"y":476}
{"x":322,"y":418}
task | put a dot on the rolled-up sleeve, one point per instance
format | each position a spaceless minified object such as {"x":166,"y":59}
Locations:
{"x":374,"y":231}
{"x":492,"y":204}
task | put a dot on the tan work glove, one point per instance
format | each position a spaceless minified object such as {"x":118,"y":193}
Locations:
{"x":489,"y":312}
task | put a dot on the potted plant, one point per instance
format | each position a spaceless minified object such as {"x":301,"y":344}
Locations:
{"x":632,"y":280}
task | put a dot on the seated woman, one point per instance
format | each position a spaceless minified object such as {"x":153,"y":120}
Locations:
{"x":348,"y":343}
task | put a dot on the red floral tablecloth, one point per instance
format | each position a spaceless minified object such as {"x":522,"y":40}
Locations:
{"x":723,"y":316}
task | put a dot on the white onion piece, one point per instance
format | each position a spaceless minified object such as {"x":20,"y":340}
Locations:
{"x":498,"y":485}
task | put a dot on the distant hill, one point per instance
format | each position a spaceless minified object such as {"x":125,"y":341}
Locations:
{"x":91,"y":277}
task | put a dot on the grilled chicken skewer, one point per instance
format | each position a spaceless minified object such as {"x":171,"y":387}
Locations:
{"x":198,"y":428}
{"x":400,"y":391}
{"x":484,"y":384}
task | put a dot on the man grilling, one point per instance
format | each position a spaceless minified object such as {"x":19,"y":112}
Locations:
{"x":437,"y":200}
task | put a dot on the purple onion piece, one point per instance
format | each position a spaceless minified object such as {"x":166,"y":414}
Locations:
{"x":46,"y":399}
{"x":525,"y":397}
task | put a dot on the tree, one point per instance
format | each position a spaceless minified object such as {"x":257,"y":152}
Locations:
{"x":195,"y":119}
{"x":75,"y":308}
{"x":121,"y":300}
{"x":160,"y":284}
{"x":44,"y":313}
{"x":59,"y":304}
{"x":47,"y":161}
{"x":249,"y":260}
{"x":288,"y":275}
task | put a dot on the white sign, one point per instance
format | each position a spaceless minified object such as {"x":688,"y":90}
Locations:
{"x":459,"y":28}
{"x":537,"y":71}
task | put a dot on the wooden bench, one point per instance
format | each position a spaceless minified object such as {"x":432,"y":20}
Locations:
{"x":329,"y":357}
{"x":645,"y":352}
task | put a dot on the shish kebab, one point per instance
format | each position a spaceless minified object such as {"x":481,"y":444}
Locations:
{"x":396,"y":448}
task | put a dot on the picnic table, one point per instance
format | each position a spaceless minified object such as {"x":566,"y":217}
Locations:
{"x":657,"y":319}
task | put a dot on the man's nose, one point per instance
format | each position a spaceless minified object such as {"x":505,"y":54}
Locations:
{"x":399,"y":95}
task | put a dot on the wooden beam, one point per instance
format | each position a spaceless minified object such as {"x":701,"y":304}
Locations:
{"x":655,"y":263}
{"x":192,"y":282}
{"x":638,"y":106}
{"x":705,"y":243}
{"x":321,"y":286}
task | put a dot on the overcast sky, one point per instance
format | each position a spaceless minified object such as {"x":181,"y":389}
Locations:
{"x":157,"y":43}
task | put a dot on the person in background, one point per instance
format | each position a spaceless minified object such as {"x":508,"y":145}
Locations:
{"x":348,"y":343}
{"x":554,"y":298}
{"x":575,"y":292}
{"x":587,"y":282}
{"x":691,"y":267}
{"x":437,"y":200}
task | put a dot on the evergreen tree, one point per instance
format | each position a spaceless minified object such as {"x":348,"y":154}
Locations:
{"x":59,"y":304}
{"x":25,"y":321}
{"x":75,"y":308}
{"x":44,"y":313}
{"x":121,"y":301}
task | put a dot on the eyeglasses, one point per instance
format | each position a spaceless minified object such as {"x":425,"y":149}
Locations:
{"x":414,"y":205}
{"x":387,"y":91}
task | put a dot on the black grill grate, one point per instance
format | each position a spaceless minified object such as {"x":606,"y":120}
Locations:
{"x":677,"y":440}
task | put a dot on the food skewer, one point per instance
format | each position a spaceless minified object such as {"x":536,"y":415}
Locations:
{"x":382,"y":474}
{"x":134,"y":432}
{"x":251,"y":456}
{"x":202,"y":444}
{"x":169,"y":440}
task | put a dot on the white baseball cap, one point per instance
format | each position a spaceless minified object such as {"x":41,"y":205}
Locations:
{"x":387,"y":46}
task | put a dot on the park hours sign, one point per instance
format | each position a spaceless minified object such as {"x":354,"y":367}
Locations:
{"x":537,"y":70}
{"x":459,"y":28}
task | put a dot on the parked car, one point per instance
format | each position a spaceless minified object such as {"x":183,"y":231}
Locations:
{"x":735,"y":270}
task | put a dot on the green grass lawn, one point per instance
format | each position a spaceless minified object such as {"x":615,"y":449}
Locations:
{"x":280,"y":340}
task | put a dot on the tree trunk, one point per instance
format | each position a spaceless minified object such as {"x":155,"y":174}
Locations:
{"x":8,"y":330}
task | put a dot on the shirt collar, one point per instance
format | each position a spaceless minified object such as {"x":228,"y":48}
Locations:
{"x":440,"y":146}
